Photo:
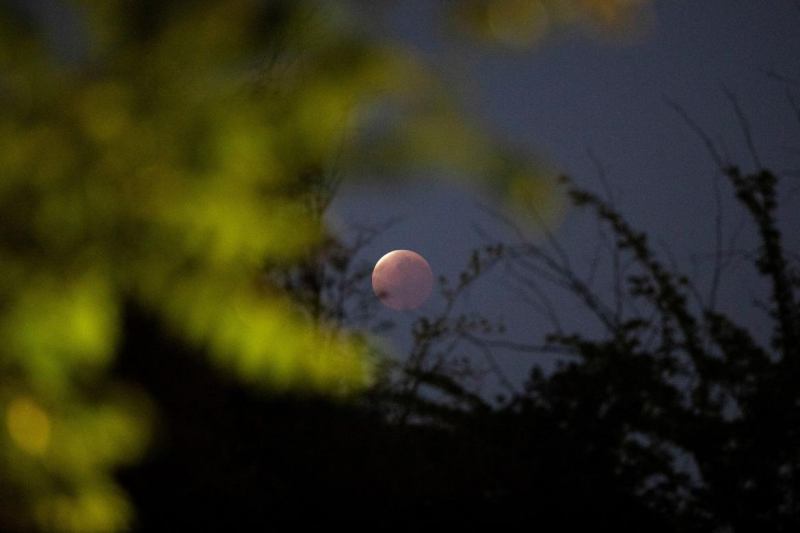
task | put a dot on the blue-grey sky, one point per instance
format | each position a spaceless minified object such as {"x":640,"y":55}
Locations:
{"x":574,"y":93}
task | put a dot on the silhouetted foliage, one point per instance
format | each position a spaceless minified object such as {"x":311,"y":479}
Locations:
{"x":679,"y":406}
{"x":675,"y":418}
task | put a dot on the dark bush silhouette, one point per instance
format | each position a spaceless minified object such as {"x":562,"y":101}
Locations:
{"x":599,"y":441}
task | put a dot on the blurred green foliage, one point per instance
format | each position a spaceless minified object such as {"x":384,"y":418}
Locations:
{"x":522,"y":23}
{"x":164,"y":165}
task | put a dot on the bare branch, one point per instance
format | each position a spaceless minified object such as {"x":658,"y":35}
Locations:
{"x":495,"y":368}
{"x":716,"y":273}
{"x":709,"y":144}
{"x":547,"y":307}
{"x":745,"y":126}
{"x":612,"y":249}
{"x":542,"y":349}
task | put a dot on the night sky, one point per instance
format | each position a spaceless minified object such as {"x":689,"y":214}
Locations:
{"x":578,"y":93}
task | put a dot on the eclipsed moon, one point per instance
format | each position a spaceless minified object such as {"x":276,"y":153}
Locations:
{"x":402,"y":280}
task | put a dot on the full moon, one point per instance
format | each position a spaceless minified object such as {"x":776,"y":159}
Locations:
{"x":402,"y":280}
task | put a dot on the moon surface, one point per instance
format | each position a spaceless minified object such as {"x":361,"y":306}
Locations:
{"x":402,"y":280}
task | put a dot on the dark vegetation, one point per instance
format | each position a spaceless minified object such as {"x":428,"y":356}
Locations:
{"x":600,"y":440}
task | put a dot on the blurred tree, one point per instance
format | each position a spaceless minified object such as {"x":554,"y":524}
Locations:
{"x":158,"y":154}
{"x":522,"y":23}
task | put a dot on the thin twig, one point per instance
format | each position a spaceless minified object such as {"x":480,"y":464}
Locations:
{"x":495,"y":368}
{"x":709,"y":144}
{"x":745,"y":126}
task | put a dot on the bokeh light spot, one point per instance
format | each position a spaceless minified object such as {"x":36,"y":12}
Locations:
{"x":28,"y":425}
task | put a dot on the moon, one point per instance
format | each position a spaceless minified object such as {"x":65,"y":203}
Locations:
{"x":402,"y":280}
